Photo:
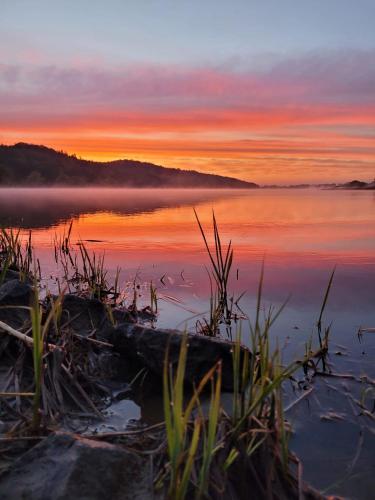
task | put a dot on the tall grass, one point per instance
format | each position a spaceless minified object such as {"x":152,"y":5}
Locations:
{"x":205,"y":445}
{"x":83,"y":271}
{"x":258,"y":374}
{"x":315,"y":356}
{"x":202,"y":446}
{"x":15,"y":253}
{"x":39,"y":333}
{"x":187,"y":431}
{"x":210,"y":434}
{"x":221,"y":304}
{"x":324,"y":336}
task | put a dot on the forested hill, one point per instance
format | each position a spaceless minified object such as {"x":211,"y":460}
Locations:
{"x":31,"y":165}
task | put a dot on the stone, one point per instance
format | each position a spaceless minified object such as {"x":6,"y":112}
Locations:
{"x":123,"y":315}
{"x":9,"y":275}
{"x":64,"y":467}
{"x":147,"y":346}
{"x":82,"y":315}
{"x":15,"y":293}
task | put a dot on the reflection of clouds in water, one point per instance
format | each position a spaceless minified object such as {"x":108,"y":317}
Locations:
{"x":301,"y":233}
{"x":45,"y":207}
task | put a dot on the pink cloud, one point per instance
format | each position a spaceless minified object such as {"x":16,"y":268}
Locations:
{"x":336,"y":78}
{"x":312,"y":108}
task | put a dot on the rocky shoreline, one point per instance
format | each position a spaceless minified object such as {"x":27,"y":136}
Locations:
{"x":50,"y":463}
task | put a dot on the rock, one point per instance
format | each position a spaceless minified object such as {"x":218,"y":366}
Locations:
{"x":15,"y":293}
{"x":83,"y":315}
{"x":10,"y":274}
{"x":65,"y":467}
{"x":147,"y":346}
{"x":13,"y":274}
{"x":123,"y":315}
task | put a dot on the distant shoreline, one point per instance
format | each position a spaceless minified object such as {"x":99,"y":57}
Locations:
{"x":34,"y":165}
{"x":29,"y":166}
{"x":339,"y":187}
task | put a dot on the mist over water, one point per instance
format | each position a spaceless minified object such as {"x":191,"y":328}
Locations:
{"x":45,"y":207}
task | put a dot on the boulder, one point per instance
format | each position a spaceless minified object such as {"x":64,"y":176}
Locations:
{"x":147,"y":346}
{"x":83,"y":315}
{"x":123,"y":315}
{"x":15,"y":293}
{"x":9,"y":275}
{"x":65,"y":467}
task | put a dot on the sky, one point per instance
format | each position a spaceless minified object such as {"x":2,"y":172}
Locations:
{"x":264,"y":90}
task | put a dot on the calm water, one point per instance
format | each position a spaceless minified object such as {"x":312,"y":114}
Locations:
{"x":301,"y":234}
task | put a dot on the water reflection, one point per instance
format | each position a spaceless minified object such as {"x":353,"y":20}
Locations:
{"x":301,"y":234}
{"x":42,"y":208}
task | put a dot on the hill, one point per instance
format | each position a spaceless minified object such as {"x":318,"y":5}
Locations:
{"x":30,"y":165}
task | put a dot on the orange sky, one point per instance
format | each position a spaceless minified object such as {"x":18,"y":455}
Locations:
{"x":261,"y":91}
{"x":283,"y":124}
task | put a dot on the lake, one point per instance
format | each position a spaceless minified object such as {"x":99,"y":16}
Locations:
{"x":301,"y":234}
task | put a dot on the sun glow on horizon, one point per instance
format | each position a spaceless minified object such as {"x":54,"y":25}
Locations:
{"x":258,"y":110}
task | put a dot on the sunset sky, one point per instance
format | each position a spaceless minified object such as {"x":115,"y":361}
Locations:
{"x":270,"y":91}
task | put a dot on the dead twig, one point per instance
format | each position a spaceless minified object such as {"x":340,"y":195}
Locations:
{"x":293,"y":403}
{"x":16,"y":394}
{"x":22,"y":336}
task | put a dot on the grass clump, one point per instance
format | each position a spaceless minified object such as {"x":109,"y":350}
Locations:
{"x":16,"y":254}
{"x":40,"y":328}
{"x":191,"y":437}
{"x":224,"y":452}
{"x":314,"y":357}
{"x":221,"y":302}
{"x":84,"y":272}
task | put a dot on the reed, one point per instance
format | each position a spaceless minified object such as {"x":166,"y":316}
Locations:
{"x":210,"y":431}
{"x":84,"y":272}
{"x":213,"y":445}
{"x":207,"y":451}
{"x":59,"y":368}
{"x":15,"y":253}
{"x":221,"y":303}
{"x":153,"y":299}
{"x":187,"y":430}
{"x":258,"y":377}
{"x":39,"y":333}
{"x":315,"y":356}
{"x":324,"y":336}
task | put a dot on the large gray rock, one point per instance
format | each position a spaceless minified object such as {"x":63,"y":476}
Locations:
{"x":147,"y":347}
{"x":15,"y":294}
{"x":67,"y":467}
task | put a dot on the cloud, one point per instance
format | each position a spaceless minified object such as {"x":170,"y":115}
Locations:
{"x":312,"y":108}
{"x":335,"y":77}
